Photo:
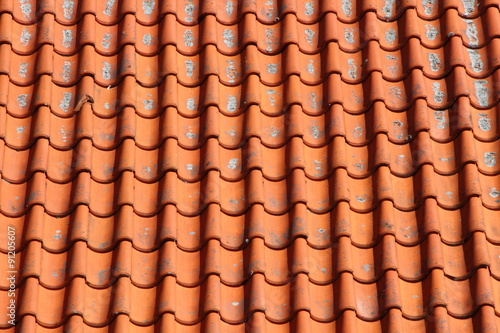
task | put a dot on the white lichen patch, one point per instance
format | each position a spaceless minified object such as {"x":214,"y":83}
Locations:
{"x":434,"y":61}
{"x":190,"y":104}
{"x":309,"y":8}
{"x":232,"y":103}
{"x":66,"y":101}
{"x":314,"y":102}
{"x":106,"y":40}
{"x":23,"y":69}
{"x":67,"y":38}
{"x":315,"y":132}
{"x":147,"y":39}
{"x":228,"y":37}
{"x":472,"y":33}
{"x":396,"y":92}
{"x":440,"y":117}
{"x":106,"y":70}
{"x":490,"y":159}
{"x":148,"y":6}
{"x":469,"y":6}
{"x":352,"y":69}
{"x":189,"y":68}
{"x":393,"y":68}
{"x":270,"y":9}
{"x":438,"y":94}
{"x":475,"y":59}
{"x":229,"y":8}
{"x":494,"y":193}
{"x":431,"y":32}
{"x":310,"y":34}
{"x":233,"y":163}
{"x":387,"y":8}
{"x":347,"y":7}
{"x":272,"y":68}
{"x":310,"y":67}
{"x":349,"y":35}
{"x":189,"y":9}
{"x":231,"y":72}
{"x":390,"y":36}
{"x":484,"y":123}
{"x":66,"y":74}
{"x":481,"y":92}
{"x":270,"y":93}
{"x":148,"y":104}
{"x":25,"y":37}
{"x":26,"y":7}
{"x":67,"y":7}
{"x":428,"y":6}
{"x":188,"y":38}
{"x":22,"y":100}
{"x":109,"y":7}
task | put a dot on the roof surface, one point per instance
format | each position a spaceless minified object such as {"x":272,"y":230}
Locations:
{"x":250,"y":166}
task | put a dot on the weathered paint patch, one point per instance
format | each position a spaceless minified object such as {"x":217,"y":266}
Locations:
{"x":490,"y":159}
{"x":66,"y":70}
{"x":189,"y":68}
{"x":349,"y":35}
{"x":431,"y":32}
{"x":347,"y":7}
{"x":23,"y":69}
{"x":476,"y":62}
{"x":438,"y":94}
{"x":472,"y":33}
{"x":391,"y":35}
{"x":66,"y":101}
{"x":67,"y":38}
{"x":67,"y":7}
{"x":434,"y":61}
{"x":188,"y":38}
{"x":106,"y":40}
{"x":484,"y":123}
{"x":481,"y":92}
{"x":232,"y":103}
{"x":109,"y":7}
{"x":106,"y":70}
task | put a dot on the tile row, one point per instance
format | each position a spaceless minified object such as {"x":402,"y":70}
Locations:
{"x":234,"y":268}
{"x":235,"y":198}
{"x":230,"y":12}
{"x":98,"y":307}
{"x":191,"y":233}
{"x":190,"y":102}
{"x":276,"y":164}
{"x":485,"y":320}
{"x":418,"y":123}
{"x":232,"y":39}
{"x":272,"y":70}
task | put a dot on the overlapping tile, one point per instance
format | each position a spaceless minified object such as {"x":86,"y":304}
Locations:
{"x":251,"y":166}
